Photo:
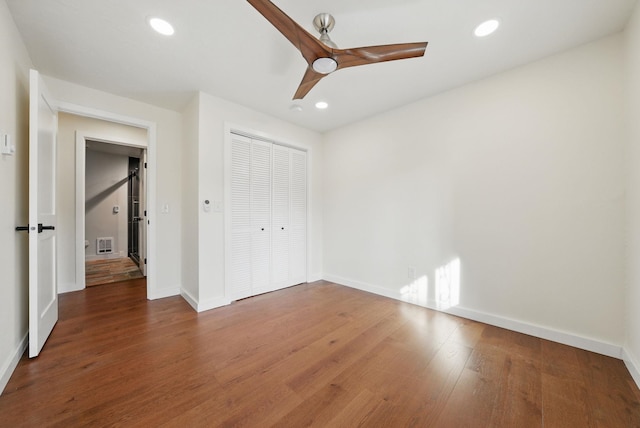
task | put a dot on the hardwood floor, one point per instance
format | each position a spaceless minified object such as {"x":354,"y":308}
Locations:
{"x":99,"y":272}
{"x":317,"y":354}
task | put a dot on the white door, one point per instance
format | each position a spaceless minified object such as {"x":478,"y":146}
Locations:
{"x":43,"y":290}
{"x":266,"y":194}
{"x":239,"y":257}
{"x":298,"y":221}
{"x":260,"y":216}
{"x":280,"y":220}
{"x":142,"y":224}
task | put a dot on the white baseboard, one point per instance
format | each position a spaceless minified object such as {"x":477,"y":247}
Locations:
{"x":12,"y":362}
{"x":380,"y":291}
{"x":212,"y":304}
{"x":163,"y":293}
{"x":632,"y":365}
{"x":204,"y":306}
{"x":553,"y":335}
{"x":190,"y":299}
{"x":314,"y":277}
{"x":118,"y":255}
{"x":68,"y":288}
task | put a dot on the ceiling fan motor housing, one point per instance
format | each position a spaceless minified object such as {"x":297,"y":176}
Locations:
{"x":324,"y":22}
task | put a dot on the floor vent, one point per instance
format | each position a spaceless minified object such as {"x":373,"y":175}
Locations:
{"x":104,"y":246}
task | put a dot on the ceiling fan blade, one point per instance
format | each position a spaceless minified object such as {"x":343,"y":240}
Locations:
{"x":310,"y":47}
{"x":308,"y":81}
{"x":372,"y":54}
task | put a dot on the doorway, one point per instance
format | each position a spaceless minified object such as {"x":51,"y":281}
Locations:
{"x":134,"y":211}
{"x":113,"y":212}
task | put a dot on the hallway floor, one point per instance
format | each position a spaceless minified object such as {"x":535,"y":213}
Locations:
{"x":99,"y":272}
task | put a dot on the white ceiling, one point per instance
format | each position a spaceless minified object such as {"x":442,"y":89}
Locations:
{"x":227,"y":49}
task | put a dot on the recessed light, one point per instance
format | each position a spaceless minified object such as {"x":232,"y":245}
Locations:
{"x":486,"y":28}
{"x":161,"y":26}
{"x":321,"y":105}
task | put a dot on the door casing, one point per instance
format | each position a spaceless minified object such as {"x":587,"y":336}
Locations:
{"x":81,"y":148}
{"x":151,"y":159}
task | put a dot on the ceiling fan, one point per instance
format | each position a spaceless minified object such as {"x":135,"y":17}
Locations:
{"x":322,"y":55}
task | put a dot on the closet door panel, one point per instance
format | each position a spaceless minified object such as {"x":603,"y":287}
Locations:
{"x":261,"y":216}
{"x":280,"y":220}
{"x":298,"y":216}
{"x":239,"y":276}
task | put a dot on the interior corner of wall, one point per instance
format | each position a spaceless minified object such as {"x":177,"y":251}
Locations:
{"x":631,"y":361}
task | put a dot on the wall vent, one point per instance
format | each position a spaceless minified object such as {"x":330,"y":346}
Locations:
{"x":104,"y":245}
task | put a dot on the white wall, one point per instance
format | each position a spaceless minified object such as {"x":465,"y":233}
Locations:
{"x":520,"y":176}
{"x":68,"y":125}
{"x":14,"y":120}
{"x":168,"y":172}
{"x":213,"y":115}
{"x":632,"y":321}
{"x":106,"y":187}
{"x":190,"y":213}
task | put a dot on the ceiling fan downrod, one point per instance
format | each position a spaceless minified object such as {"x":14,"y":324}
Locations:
{"x":324,"y":23}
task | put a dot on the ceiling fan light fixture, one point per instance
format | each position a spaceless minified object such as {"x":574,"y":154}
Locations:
{"x":325,"y":65}
{"x":487,"y":28}
{"x":161,"y":26}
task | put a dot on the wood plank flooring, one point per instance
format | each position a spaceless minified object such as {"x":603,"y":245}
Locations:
{"x":98,"y":272}
{"x":313,"y":355}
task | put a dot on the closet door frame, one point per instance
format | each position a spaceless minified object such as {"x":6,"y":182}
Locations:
{"x":260,"y":136}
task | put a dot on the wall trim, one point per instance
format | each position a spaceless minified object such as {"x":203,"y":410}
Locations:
{"x":68,"y":288}
{"x":315,"y":277}
{"x":213,"y":304}
{"x":118,"y":255}
{"x":204,"y":306}
{"x":192,"y":301}
{"x":632,"y":364}
{"x":163,"y":293}
{"x":9,"y":366}
{"x":547,"y":333}
{"x":151,"y":189}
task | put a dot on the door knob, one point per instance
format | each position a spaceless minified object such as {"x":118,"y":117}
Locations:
{"x":40,"y":228}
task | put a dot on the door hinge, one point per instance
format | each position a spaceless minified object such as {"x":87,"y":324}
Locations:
{"x":145,"y":164}
{"x":145,"y":213}
{"x":145,"y":260}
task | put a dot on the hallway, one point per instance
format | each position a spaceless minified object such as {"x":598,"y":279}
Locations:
{"x":100,"y":272}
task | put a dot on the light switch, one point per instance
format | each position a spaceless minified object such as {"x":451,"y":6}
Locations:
{"x":6,"y":147}
{"x":165,"y":209}
{"x":217,"y":206}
